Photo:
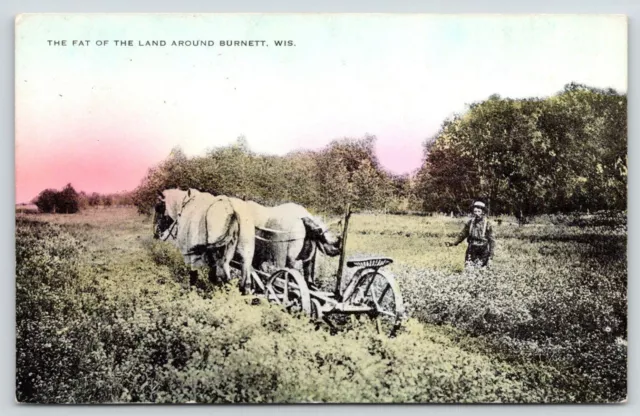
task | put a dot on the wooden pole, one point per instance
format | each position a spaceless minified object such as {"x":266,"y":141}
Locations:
{"x":342,"y":252}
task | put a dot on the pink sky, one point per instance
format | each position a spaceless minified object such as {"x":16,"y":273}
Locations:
{"x":109,"y":162}
{"x":100,"y":116}
{"x":102,"y":163}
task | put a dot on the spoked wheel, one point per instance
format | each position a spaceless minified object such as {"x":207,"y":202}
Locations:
{"x":288,"y":288}
{"x":382,"y":294}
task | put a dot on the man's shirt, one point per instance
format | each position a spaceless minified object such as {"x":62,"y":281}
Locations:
{"x":478,"y":232}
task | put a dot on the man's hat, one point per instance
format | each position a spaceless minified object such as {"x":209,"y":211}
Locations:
{"x":479,"y":204}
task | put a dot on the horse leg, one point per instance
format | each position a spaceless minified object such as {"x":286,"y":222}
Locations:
{"x":213,"y":275}
{"x":246,"y":242}
{"x":193,"y":277}
{"x":229,"y":251}
{"x":308,"y":270}
{"x":212,"y":261}
{"x":246,"y":252}
{"x":306,"y":255}
{"x":247,"y":283}
{"x":295,"y":254}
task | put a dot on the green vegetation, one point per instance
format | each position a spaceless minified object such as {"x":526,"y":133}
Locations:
{"x":556,"y":292}
{"x":524,"y":157}
{"x":347,"y":169}
{"x":66,"y":201}
{"x":106,"y":314}
{"x":531,"y":156}
{"x":69,"y":201}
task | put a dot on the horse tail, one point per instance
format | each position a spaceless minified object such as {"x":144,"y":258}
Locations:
{"x":227,"y":236}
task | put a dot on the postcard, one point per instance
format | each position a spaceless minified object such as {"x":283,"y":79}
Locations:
{"x":321,"y":208}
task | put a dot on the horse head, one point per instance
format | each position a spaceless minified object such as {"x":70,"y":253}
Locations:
{"x":169,"y":204}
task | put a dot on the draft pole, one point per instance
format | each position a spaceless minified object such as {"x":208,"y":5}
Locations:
{"x":337,"y":292}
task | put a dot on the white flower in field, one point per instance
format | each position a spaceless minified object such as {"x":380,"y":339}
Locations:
{"x":607,"y":329}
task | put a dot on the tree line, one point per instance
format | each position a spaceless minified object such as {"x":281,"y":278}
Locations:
{"x":347,"y":170}
{"x":69,"y":201}
{"x":563,"y":153}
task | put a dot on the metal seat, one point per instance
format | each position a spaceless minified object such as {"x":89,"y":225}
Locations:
{"x":369,"y":262}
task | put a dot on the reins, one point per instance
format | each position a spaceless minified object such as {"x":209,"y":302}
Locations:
{"x":185,"y":201}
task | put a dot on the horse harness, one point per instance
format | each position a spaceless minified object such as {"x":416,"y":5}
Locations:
{"x":173,"y":227}
{"x":291,"y":240}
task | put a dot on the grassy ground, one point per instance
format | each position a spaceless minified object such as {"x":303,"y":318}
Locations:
{"x":106,"y":314}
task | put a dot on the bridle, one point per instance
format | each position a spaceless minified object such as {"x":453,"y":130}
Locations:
{"x":174,"y":226}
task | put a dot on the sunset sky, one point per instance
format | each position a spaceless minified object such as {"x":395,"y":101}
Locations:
{"x":100,"y":116}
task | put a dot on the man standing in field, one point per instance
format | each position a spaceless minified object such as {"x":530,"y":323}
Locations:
{"x":479,"y":235}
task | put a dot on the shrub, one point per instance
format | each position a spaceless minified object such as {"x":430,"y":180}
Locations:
{"x":46,"y":200}
{"x":575,"y":320}
{"x":49,"y":350}
{"x":66,"y":201}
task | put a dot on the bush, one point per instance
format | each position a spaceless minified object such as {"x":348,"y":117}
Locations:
{"x":50,"y":344}
{"x":66,"y":201}
{"x":575,"y":320}
{"x":46,"y":200}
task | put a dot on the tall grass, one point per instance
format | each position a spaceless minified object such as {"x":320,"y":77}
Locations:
{"x":555,"y":293}
{"x":105,"y":314}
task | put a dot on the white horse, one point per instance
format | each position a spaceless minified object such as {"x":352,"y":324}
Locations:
{"x":288,"y":235}
{"x":207,"y":229}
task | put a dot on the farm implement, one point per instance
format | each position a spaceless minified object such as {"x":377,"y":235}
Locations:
{"x":368,"y":290}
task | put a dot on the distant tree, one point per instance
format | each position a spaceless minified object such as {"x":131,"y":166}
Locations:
{"x":348,"y":170}
{"x":83,"y":200}
{"x":46,"y":200}
{"x":401,"y":185}
{"x":67,"y":200}
{"x":94,"y":199}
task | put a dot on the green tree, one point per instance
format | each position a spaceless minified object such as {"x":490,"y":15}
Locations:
{"x":67,"y":201}
{"x":527,"y":156}
{"x":349,"y":172}
{"x":46,"y":200}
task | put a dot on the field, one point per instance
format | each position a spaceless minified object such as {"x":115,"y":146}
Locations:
{"x":106,"y":314}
